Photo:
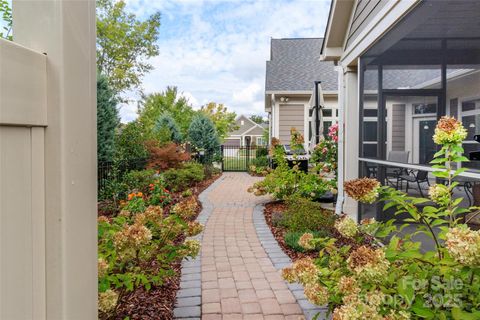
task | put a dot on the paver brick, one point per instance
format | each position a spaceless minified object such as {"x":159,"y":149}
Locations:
{"x":211,"y":308}
{"x":231,"y":305}
{"x":270,"y":306}
{"x":238,"y":279}
{"x":252,"y":307}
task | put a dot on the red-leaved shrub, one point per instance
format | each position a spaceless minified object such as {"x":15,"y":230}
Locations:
{"x":166,"y":156}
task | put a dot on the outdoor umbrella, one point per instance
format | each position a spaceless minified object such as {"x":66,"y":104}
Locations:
{"x":317,"y":99}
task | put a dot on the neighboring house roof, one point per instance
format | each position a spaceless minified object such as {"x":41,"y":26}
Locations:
{"x":295,"y":64}
{"x":248,"y":126}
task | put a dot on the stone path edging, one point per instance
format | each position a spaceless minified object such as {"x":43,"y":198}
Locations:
{"x":189,"y":297}
{"x":280,"y":260}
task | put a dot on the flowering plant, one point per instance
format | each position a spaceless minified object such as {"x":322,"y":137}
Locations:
{"x":159,"y":195}
{"x":325,"y":154}
{"x":185,"y":209}
{"x":138,"y":250}
{"x":285,"y":181}
{"x":400,"y":280}
{"x":135,"y":202}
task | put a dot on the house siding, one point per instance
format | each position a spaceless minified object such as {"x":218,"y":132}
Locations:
{"x":365,"y":11}
{"x":398,"y":127}
{"x":255,"y":132}
{"x":290,"y":116}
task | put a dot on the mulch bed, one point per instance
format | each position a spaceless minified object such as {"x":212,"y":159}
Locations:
{"x":158,"y":302}
{"x":279,"y":234}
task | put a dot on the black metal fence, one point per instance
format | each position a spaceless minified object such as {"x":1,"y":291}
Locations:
{"x":111,"y":170}
{"x":237,"y":158}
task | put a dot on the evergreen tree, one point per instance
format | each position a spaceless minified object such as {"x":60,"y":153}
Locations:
{"x":167,"y":130}
{"x":107,"y":119}
{"x":203,"y":136}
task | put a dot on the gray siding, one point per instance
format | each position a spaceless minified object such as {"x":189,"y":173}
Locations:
{"x":255,"y":132}
{"x":398,"y":127}
{"x":290,"y":116}
{"x":364,"y":12}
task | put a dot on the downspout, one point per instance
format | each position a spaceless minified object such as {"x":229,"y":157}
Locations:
{"x":340,"y":154}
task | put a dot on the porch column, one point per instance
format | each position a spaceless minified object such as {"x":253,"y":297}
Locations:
{"x":349,"y":89}
{"x":65,"y":31}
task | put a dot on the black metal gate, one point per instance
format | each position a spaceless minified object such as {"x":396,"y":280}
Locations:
{"x":237,"y":158}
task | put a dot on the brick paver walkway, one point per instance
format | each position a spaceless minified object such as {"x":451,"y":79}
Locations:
{"x":238,"y":280}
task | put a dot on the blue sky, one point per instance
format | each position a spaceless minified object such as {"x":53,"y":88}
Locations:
{"x":216,"y":50}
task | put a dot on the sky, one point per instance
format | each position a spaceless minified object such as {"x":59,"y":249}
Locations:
{"x":216,"y":50}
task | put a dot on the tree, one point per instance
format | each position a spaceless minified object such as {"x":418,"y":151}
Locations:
{"x":124,"y":44}
{"x":107,"y":119}
{"x":167,"y":130}
{"x":6,"y":14}
{"x":224,"y":121}
{"x":203,"y":136}
{"x":257,"y":119}
{"x":168,"y":101}
{"x":130,"y":142}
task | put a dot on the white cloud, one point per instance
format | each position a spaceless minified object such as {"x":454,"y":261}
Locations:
{"x":216,"y":50}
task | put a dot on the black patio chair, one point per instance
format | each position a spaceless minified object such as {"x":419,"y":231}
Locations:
{"x":393,"y":173}
{"x":417,"y":177}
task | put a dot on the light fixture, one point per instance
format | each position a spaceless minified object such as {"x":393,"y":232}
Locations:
{"x":283,"y":99}
{"x":471,"y":125}
{"x":425,"y":127}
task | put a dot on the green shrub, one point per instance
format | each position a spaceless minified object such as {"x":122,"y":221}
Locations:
{"x":182,"y":178}
{"x":262,"y":152}
{"x":304,"y":215}
{"x":139,"y":180}
{"x":277,"y":219}
{"x":260,"y":161}
{"x":292,"y":237}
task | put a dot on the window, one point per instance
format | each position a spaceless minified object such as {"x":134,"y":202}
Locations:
{"x":471,"y":105}
{"x":422,"y":108}
{"x":370,"y":131}
{"x":326,"y":125}
{"x":260,"y":141}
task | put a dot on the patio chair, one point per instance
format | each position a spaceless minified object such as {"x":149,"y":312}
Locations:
{"x":417,"y":177}
{"x":392,"y":172}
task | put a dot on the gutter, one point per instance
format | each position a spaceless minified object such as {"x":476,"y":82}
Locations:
{"x":326,"y":28}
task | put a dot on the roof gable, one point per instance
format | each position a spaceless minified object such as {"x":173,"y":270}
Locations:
{"x":295,"y":64}
{"x":247,"y":125}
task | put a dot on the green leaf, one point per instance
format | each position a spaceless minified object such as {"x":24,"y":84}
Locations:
{"x":459,"y":314}
{"x":438,"y":160}
{"x":423,"y":312}
{"x":440,"y":174}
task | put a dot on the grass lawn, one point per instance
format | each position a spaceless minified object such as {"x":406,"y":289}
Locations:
{"x":234,"y":163}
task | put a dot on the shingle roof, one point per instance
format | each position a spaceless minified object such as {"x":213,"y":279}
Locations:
{"x":295,"y":64}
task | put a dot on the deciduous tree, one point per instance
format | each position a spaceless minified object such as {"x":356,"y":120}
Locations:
{"x":168,"y":101}
{"x":6,"y":14}
{"x":257,"y":119}
{"x":223,"y":120}
{"x":124,"y":44}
